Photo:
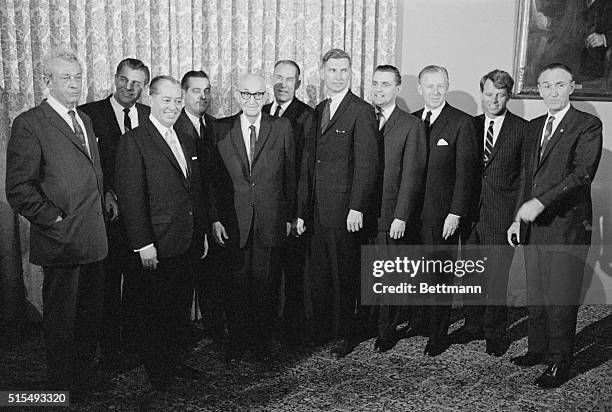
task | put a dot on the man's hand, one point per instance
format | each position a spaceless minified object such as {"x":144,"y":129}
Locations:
{"x":219,"y":233}
{"x":354,"y":221}
{"x":59,"y":218}
{"x":514,"y":230}
{"x":288,"y":229}
{"x":299,"y":226}
{"x":451,"y":223}
{"x":542,"y":22}
{"x":111,"y":205}
{"x":530,"y":210}
{"x":148,"y":257}
{"x":595,"y":40}
{"x":397,"y":229}
{"x":205,"y":246}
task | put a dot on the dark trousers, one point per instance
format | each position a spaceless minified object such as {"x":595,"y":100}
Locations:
{"x":293,"y":256}
{"x":488,"y":313}
{"x":209,"y":286}
{"x":253,"y":294}
{"x":554,"y":283}
{"x":72,"y":306}
{"x":333,"y":262}
{"x":165,"y":291}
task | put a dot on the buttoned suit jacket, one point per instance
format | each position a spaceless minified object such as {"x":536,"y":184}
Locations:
{"x":452,"y":167}
{"x":339,"y":166}
{"x":159,"y":204}
{"x":50,"y":174}
{"x":259,"y":200}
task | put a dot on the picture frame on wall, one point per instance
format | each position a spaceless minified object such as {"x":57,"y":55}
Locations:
{"x":577,"y":33}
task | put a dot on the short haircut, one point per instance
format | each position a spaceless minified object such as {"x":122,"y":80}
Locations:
{"x":157,"y":79}
{"x":63,"y":53}
{"x":433,"y":69}
{"x":291,"y":62}
{"x":336,"y":54}
{"x":552,"y":66}
{"x":134,"y":64}
{"x":201,"y":74}
{"x":500,"y":79}
{"x":387,"y":68}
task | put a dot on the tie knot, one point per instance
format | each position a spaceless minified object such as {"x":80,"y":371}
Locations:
{"x":551,"y":119}
{"x":428,"y":115}
{"x":126,"y":110}
{"x":252,"y":127}
{"x":71,"y":113}
{"x":491,"y":123}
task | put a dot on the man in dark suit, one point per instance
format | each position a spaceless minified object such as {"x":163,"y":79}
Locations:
{"x":112,"y":117}
{"x":335,"y":190}
{"x":255,"y":188}
{"x":54,"y":179}
{"x":502,"y":134}
{"x":286,"y":79}
{"x":562,"y":152}
{"x":402,"y":154}
{"x":161,"y":196}
{"x":452,"y":173}
{"x":198,"y":125}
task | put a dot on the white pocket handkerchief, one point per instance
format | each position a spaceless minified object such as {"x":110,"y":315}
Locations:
{"x":194,"y":157}
{"x":442,"y":142}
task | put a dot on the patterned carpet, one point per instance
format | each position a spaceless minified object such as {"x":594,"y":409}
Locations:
{"x":403,"y":379}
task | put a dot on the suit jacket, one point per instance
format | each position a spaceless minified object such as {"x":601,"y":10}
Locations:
{"x":339,"y":166}
{"x":452,"y":167}
{"x":304,"y":124}
{"x":260,"y":200}
{"x":49,"y":174}
{"x":108,"y":132}
{"x":159,"y":205}
{"x":401,"y":172}
{"x":561,"y":180}
{"x":500,"y":181}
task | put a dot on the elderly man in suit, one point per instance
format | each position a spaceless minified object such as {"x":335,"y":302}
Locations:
{"x":402,"y":155}
{"x":162,"y":199}
{"x":54,"y":179}
{"x":195,"y":122}
{"x":452,"y":174}
{"x":502,"y":134}
{"x":255,"y":189}
{"x":336,"y":185}
{"x":562,"y":152}
{"x":112,"y":117}
{"x":286,"y":80}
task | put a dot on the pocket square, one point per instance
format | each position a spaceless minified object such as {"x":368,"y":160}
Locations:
{"x":340,"y":131}
{"x":442,"y":142}
{"x":194,"y":157}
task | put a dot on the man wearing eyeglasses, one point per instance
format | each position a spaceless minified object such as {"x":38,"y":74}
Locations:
{"x":554,"y":221}
{"x":254,"y":196}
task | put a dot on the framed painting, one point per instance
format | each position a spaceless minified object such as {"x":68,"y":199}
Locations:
{"x":577,"y":33}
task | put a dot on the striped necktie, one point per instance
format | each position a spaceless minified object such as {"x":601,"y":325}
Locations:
{"x":547,"y":135}
{"x":488,"y":146}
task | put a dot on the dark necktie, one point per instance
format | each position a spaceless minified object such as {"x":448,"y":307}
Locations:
{"x":547,"y":135}
{"x":277,"y":111}
{"x":427,"y":121}
{"x":326,"y":115}
{"x":381,"y":119}
{"x":77,"y":130}
{"x":202,"y":129}
{"x":127,"y":123}
{"x":252,"y":141}
{"x":488,"y":146}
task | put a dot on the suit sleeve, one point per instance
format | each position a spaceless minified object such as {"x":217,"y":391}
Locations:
{"x":586,"y":159}
{"x":466,"y":168}
{"x":289,"y":183}
{"x":365,"y":152}
{"x":413,"y":173}
{"x":309,"y":147}
{"x":131,"y":191}
{"x":23,"y":176}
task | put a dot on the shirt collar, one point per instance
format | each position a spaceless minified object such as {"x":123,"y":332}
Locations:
{"x":338,"y":97}
{"x":195,"y":120}
{"x":560,"y":114}
{"x":245,"y":123}
{"x":496,"y":119}
{"x":434,"y":112}
{"x":117,"y":106}
{"x":160,"y":127}
{"x":283,"y":106}
{"x":388,"y":111}
{"x":57,"y":106}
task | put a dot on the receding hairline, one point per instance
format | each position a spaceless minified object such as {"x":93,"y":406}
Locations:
{"x":251,"y":76}
{"x":65,"y":55}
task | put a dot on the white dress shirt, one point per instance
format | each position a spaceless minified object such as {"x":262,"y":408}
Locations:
{"x":283,"y":107}
{"x":63,"y":112}
{"x":120,"y":115}
{"x":386,"y":113}
{"x":195,"y":120}
{"x":245,"y":125}
{"x":558,"y":117}
{"x":434,"y":113}
{"x":497,"y":125}
{"x":335,"y":102}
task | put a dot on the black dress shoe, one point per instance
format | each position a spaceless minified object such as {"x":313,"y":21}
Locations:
{"x":340,"y":349}
{"x":463,"y":335}
{"x":554,"y":376}
{"x":497,"y":347}
{"x":436,"y":347}
{"x":527,"y":360}
{"x":181,"y":370}
{"x":384,"y":344}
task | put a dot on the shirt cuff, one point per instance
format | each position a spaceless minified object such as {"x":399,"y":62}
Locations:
{"x":150,"y":245}
{"x":457,"y":216}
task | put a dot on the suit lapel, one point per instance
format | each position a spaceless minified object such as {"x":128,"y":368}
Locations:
{"x":539,"y":127}
{"x":344,"y":104}
{"x":265,"y":128}
{"x":109,"y":115}
{"x":57,"y":121}
{"x":438,"y":125}
{"x":557,"y":135}
{"x":502,"y":137}
{"x":160,"y":142}
{"x":291,"y":112}
{"x":238,"y":144}
{"x":391,"y":122}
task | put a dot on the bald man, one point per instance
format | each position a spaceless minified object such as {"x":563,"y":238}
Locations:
{"x":254,"y":192}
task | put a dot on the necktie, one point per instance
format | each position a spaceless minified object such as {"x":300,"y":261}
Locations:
{"x":427,"y":121}
{"x":252,"y":141}
{"x":326,"y":116}
{"x":488,"y":146}
{"x":277,"y":111}
{"x":77,"y":130}
{"x":127,"y":123}
{"x":381,"y":119}
{"x":547,"y":134}
{"x":202,"y":129}
{"x":176,"y":150}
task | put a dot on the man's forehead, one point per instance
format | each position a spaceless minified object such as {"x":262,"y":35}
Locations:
{"x":132,"y":73}
{"x":342,"y":62}
{"x":285,"y":69}
{"x":62,"y":66}
{"x":252,"y":83}
{"x":555,"y":75}
{"x":199,"y":82}
{"x":167,"y":89}
{"x":382,"y":76}
{"x":433,"y":77}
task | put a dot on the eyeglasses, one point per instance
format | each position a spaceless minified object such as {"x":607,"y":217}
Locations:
{"x":558,"y":86}
{"x":247,"y":95}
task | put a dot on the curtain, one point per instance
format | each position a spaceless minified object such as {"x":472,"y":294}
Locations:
{"x":224,"y":38}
